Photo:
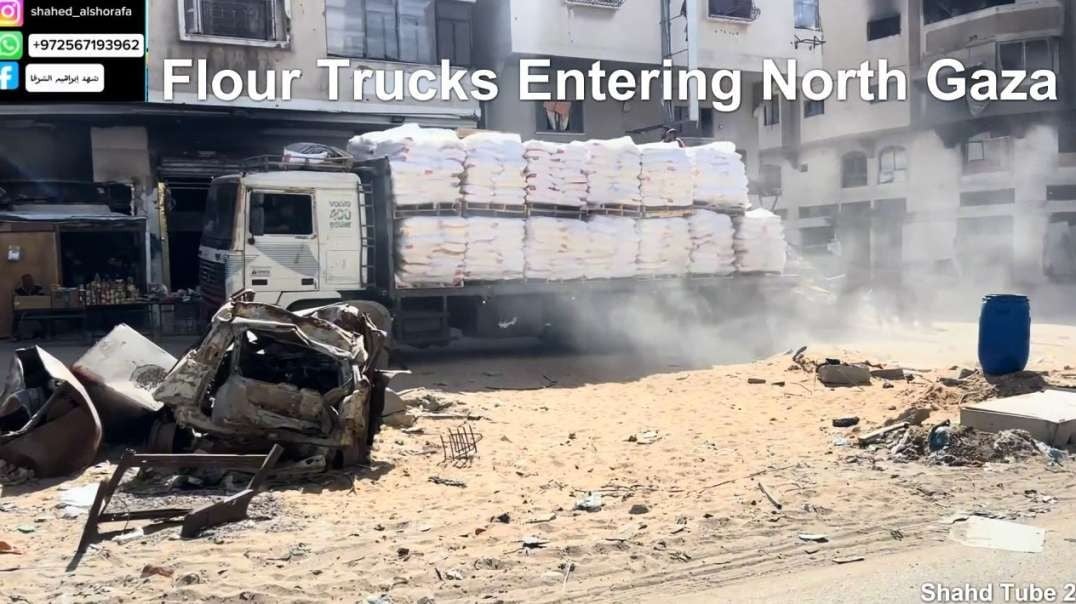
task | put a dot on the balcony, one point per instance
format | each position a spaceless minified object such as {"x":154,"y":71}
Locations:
{"x":949,"y":28}
{"x":736,"y":11}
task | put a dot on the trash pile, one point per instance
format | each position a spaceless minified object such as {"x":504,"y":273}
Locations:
{"x":665,"y":246}
{"x":427,"y":163}
{"x":666,"y":179}
{"x":948,"y":445}
{"x":494,"y":169}
{"x":432,"y":250}
{"x":711,"y":244}
{"x":613,"y":168}
{"x":554,"y":173}
{"x":494,"y":249}
{"x":613,"y":248}
{"x":720,"y":177}
{"x":760,"y":242}
{"x":555,"y":248}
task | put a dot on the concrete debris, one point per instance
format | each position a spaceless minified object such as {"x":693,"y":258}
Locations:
{"x":151,"y":570}
{"x":1049,"y":416}
{"x":999,"y":534}
{"x":132,"y":535}
{"x":542,"y":518}
{"x":893,"y":375}
{"x":836,"y":374}
{"x":814,"y":537}
{"x":845,"y":422}
{"x":948,"y":445}
{"x":645,"y":438}
{"x":848,"y":559}
{"x":639,"y":509}
{"x":913,"y":416}
{"x":591,"y":502}
{"x":79,"y":497}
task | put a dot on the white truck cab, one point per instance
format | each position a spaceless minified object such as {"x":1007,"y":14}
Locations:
{"x":287,"y":236}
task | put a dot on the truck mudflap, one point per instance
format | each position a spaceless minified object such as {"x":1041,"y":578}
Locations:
{"x":264,"y":374}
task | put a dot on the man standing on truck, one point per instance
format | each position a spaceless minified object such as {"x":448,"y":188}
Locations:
{"x":672,"y":135}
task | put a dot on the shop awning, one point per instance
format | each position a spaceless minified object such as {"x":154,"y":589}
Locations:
{"x":69,"y":214}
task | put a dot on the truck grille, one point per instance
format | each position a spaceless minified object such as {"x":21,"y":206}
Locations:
{"x":211,"y":280}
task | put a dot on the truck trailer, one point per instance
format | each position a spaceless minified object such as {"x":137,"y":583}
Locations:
{"x":304,"y":234}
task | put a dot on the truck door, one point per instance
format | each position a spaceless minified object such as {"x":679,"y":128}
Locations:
{"x":282,"y":243}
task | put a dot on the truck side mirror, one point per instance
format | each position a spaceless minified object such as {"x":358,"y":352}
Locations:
{"x":257,"y":215}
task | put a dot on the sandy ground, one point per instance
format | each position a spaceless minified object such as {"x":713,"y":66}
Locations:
{"x":553,"y":427}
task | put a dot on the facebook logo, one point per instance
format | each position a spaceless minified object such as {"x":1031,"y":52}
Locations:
{"x":9,"y":75}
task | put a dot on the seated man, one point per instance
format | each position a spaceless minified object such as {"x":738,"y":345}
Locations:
{"x":27,"y":287}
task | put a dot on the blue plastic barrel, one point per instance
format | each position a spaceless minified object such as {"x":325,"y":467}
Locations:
{"x":1004,"y":334}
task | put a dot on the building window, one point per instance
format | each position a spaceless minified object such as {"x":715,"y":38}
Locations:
{"x":771,"y":179}
{"x":454,"y":33}
{"x":1030,"y":55}
{"x":986,"y":153}
{"x":410,"y":31}
{"x":1066,"y":138}
{"x":892,"y":165}
{"x":813,"y":108}
{"x":246,"y":20}
{"x":733,"y":9}
{"x":854,"y":170}
{"x":281,"y":214}
{"x":560,"y":116}
{"x":808,"y":15}
{"x":1000,"y":197}
{"x":704,"y":128}
{"x":940,"y":10}
{"x":883,"y":28}
{"x":771,"y":112}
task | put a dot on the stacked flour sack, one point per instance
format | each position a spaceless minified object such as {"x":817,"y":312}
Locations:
{"x":667,"y":177}
{"x":494,"y":167}
{"x":494,"y":249}
{"x":432,"y":251}
{"x":555,"y":248}
{"x":613,"y":168}
{"x":720,"y":177}
{"x":426,"y":163}
{"x":760,"y":242}
{"x":664,"y":247}
{"x":613,"y":247}
{"x":555,"y":174}
{"x":712,"y":243}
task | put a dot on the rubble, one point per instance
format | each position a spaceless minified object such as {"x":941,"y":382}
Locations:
{"x":845,"y":422}
{"x":835,"y":373}
{"x":954,"y":445}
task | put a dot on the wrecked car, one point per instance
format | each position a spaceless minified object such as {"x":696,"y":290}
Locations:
{"x":265,"y":375}
{"x":48,"y":423}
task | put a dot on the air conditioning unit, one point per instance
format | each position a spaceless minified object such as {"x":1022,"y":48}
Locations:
{"x":610,"y":4}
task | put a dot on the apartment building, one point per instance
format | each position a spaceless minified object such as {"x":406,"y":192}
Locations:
{"x":884,"y":190}
{"x":168,"y":150}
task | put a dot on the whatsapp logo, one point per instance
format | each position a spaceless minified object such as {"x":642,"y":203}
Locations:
{"x":10,"y":45}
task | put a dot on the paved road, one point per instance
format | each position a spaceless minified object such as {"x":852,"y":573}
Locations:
{"x":901,"y":577}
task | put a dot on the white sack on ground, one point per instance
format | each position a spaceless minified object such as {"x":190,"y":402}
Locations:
{"x":554,"y":173}
{"x":493,"y":170}
{"x":667,"y":178}
{"x":613,"y":248}
{"x":426,"y":163}
{"x":613,"y":168}
{"x":664,"y":246}
{"x":720,"y":176}
{"x":494,"y":249}
{"x":431,"y":251}
{"x":555,"y":248}
{"x":712,"y":251}
{"x":760,"y":242}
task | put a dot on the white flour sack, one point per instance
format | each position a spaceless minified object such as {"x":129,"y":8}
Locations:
{"x":613,"y":247}
{"x":667,"y":178}
{"x":712,"y":251}
{"x":493,"y":169}
{"x":613,"y":168}
{"x":760,"y":242}
{"x":494,"y":249}
{"x":664,"y":246}
{"x":555,"y":248}
{"x":427,"y":164}
{"x":554,"y":173}
{"x":431,"y":251}
{"x":720,"y":177}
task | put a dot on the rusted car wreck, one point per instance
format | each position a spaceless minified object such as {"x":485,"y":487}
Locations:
{"x":263,"y":375}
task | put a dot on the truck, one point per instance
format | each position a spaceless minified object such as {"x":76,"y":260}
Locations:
{"x":305,"y":234}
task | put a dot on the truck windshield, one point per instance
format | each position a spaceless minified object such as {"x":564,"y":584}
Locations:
{"x":220,"y":214}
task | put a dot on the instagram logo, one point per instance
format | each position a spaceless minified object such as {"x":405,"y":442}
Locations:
{"x":11,"y":13}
